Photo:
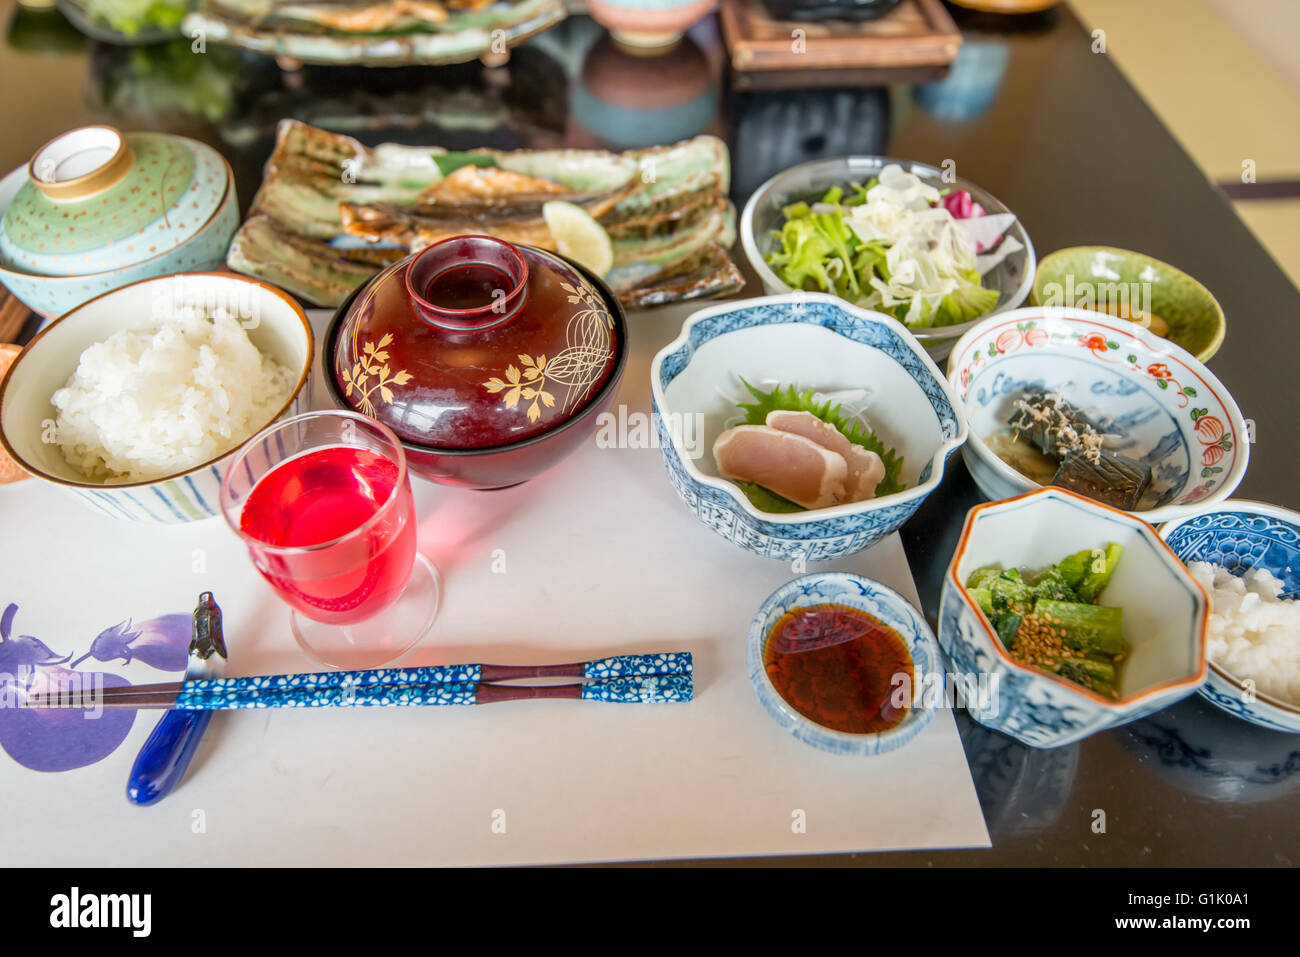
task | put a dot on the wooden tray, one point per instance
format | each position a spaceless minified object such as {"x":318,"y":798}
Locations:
{"x":14,"y":317}
{"x":919,"y":33}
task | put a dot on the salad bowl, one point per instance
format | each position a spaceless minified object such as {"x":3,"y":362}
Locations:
{"x":1165,"y":616}
{"x":760,"y":223}
{"x":1162,"y":405}
{"x":1240,"y":535}
{"x":812,"y":341}
{"x":886,"y":606}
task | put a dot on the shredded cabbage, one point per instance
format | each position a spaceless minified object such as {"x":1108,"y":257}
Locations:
{"x":892,"y":246}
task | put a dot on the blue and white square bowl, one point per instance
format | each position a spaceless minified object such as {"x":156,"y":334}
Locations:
{"x":1240,"y":535}
{"x":1165,"y":616}
{"x":885,"y":605}
{"x":811,"y":341}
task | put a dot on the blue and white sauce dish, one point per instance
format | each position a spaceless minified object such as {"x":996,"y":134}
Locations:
{"x":810,"y":341}
{"x":1241,"y":535}
{"x":1165,"y":617}
{"x":275,"y":323}
{"x":886,"y":606}
{"x":1154,"y":400}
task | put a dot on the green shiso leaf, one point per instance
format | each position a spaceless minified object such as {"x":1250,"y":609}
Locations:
{"x":766,"y":501}
{"x":789,"y":400}
{"x":448,"y":163}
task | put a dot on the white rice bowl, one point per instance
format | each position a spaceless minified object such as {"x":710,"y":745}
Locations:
{"x":163,"y":397}
{"x":1253,"y":633}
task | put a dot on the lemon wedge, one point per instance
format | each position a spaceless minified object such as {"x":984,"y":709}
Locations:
{"x":578,"y":236}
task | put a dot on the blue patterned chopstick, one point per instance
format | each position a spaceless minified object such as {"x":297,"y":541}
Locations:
{"x":662,"y":676}
{"x":666,"y":663}
{"x":215,"y":695}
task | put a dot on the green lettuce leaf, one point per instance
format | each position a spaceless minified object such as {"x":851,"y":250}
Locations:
{"x":964,"y":304}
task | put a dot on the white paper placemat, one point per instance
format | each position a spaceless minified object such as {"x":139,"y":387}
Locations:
{"x":596,"y":557}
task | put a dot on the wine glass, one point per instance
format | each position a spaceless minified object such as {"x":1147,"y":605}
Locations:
{"x":323,"y":502}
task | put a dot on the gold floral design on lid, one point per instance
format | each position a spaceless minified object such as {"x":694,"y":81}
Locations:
{"x":577,"y":367}
{"x":370,"y":374}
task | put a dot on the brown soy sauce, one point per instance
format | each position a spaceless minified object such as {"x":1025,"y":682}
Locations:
{"x":471,"y":285}
{"x":840,"y":667}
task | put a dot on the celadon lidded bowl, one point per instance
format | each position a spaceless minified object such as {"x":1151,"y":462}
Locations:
{"x":96,"y":209}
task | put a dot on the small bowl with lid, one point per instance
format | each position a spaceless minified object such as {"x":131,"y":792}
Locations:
{"x":97,"y":209}
{"x":844,"y":663}
{"x":491,"y":361}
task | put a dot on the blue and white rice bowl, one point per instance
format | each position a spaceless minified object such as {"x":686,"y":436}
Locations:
{"x":811,"y":341}
{"x":275,"y":324}
{"x":882,"y":603}
{"x":1165,"y":617}
{"x":1241,"y":535}
{"x":1171,"y":411}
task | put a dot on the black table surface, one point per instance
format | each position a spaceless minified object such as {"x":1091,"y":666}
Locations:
{"x":1029,"y":112}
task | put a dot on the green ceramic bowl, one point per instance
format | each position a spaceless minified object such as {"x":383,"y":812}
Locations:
{"x":1082,"y":276}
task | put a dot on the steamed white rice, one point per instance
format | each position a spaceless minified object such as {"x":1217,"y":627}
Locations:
{"x":1253,"y":633}
{"x":165,"y":396}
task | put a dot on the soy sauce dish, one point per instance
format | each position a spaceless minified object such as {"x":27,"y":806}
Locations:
{"x":845,"y":664}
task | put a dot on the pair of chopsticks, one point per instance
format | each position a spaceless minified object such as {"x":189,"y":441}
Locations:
{"x":628,"y":679}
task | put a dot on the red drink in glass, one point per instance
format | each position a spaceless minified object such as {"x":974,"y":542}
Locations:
{"x":324,"y":504}
{"x":354,"y":560}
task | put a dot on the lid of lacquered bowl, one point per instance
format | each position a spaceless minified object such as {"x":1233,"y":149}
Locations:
{"x":476,"y":343}
{"x":96,"y":199}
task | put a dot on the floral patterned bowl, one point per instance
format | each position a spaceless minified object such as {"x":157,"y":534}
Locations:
{"x":1240,"y":535}
{"x":811,"y":341}
{"x":884,"y":604}
{"x":1172,"y":412}
{"x":1165,"y":615}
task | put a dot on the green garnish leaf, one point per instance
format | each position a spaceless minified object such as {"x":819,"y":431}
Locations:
{"x":766,"y":501}
{"x":448,"y":163}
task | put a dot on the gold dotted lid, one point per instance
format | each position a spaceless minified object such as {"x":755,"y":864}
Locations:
{"x":97,"y":199}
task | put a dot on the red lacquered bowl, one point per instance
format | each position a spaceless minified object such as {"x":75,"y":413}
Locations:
{"x":483,"y":392}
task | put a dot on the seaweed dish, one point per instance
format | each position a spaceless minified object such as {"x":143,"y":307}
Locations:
{"x":1051,"y":442}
